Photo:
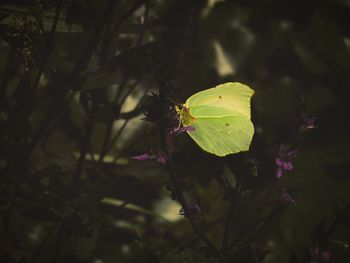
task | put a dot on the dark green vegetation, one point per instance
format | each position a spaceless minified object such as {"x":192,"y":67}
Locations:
{"x":74,"y":81}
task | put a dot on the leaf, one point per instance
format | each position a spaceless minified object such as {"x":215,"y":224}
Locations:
{"x":130,"y":206}
{"x":220,"y":117}
{"x":229,"y":178}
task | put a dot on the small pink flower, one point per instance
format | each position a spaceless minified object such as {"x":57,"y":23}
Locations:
{"x":159,"y":156}
{"x":309,"y":123}
{"x":283,"y":161}
{"x":318,"y":256}
{"x":287,"y":198}
{"x":142,"y":157}
{"x":325,"y":255}
{"x":182,"y":129}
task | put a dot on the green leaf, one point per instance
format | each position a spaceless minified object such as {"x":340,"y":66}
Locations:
{"x":229,"y":178}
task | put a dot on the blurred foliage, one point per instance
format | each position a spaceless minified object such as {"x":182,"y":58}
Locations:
{"x":75,"y":78}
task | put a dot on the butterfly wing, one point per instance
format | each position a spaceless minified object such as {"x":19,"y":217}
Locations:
{"x":221,"y":118}
{"x":227,"y":99}
{"x":223,"y":136}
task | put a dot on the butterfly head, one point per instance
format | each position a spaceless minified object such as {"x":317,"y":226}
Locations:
{"x":184,"y":114}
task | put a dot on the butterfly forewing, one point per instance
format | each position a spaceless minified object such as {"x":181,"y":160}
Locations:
{"x":231,"y":98}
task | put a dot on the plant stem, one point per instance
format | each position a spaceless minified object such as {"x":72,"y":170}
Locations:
{"x":48,"y":46}
{"x":180,"y":196}
{"x":228,"y":222}
{"x":84,"y":148}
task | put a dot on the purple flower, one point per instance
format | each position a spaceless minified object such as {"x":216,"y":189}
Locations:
{"x":159,"y":156}
{"x":182,"y":129}
{"x":309,"y":123}
{"x":283,"y":161}
{"x":142,"y":157}
{"x":188,"y":128}
{"x":324,"y":256}
{"x":286,"y":198}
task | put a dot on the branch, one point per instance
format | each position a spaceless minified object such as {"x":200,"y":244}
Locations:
{"x":46,"y":53}
{"x":84,"y":148}
{"x":109,"y":127}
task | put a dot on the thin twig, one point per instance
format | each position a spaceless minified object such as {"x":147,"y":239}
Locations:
{"x":228,"y":222}
{"x":109,"y":127}
{"x":48,"y":46}
{"x":79,"y":64}
{"x":115,"y":138}
{"x":106,"y":145}
{"x":143,"y":30}
{"x":45,"y":135}
{"x":197,"y":229}
{"x":84,"y":148}
{"x":131,"y":145}
{"x":128,"y":14}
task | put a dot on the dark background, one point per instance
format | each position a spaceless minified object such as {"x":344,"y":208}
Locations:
{"x":75,"y":80}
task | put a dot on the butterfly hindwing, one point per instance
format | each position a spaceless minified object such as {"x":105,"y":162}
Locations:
{"x":223,"y":136}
